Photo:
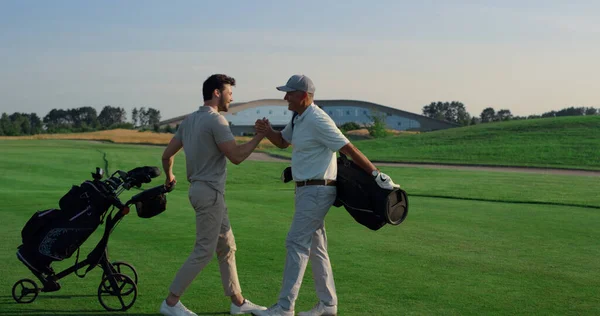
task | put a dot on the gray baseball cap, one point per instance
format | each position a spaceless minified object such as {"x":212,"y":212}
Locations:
{"x":298,"y":83}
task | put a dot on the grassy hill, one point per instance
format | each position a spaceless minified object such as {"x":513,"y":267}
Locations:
{"x":564,"y":142}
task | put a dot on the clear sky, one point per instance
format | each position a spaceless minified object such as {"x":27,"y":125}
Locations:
{"x":526,"y":56}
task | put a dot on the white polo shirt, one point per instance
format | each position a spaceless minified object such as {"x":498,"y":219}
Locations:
{"x":315,"y":140}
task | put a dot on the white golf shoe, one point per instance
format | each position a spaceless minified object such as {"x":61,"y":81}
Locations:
{"x":246,"y":308}
{"x":176,"y":310}
{"x":320,"y":310}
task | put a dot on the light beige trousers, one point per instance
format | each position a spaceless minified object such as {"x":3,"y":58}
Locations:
{"x":213,"y":234}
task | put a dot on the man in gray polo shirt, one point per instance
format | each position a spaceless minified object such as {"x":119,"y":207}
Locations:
{"x":315,"y":139}
{"x":207,"y":140}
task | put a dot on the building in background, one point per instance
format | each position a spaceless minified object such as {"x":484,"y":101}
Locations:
{"x":242,"y":116}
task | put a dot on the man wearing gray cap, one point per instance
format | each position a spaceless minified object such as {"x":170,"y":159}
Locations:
{"x":315,"y":139}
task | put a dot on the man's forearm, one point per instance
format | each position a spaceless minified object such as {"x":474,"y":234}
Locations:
{"x":276,"y":139}
{"x":358,"y":158}
{"x":167,"y":164}
{"x":244,"y":150}
{"x":168,"y":156}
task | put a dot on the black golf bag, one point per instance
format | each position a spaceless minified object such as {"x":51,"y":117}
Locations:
{"x":55,"y":234}
{"x":369,"y":204}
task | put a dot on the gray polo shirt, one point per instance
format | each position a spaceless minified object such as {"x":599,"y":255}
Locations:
{"x":315,"y":140}
{"x":200,"y":133}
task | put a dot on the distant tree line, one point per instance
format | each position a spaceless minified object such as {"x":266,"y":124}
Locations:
{"x":145,"y":117}
{"x":456,"y":112}
{"x":448,"y":111}
{"x":83,"y":119}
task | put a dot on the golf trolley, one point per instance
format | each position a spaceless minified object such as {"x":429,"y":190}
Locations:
{"x":55,"y":234}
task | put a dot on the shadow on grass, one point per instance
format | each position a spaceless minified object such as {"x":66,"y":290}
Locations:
{"x":41,"y":296}
{"x":8,"y":307}
{"x":42,"y":312}
{"x":506,"y":201}
{"x":17,"y":311}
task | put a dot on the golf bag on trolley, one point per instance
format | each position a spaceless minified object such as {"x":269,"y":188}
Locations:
{"x":56,"y":234}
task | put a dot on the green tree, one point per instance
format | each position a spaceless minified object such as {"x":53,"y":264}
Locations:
{"x":488,"y":115}
{"x":153,"y":116}
{"x":571,"y":111}
{"x":503,"y":115}
{"x":36,"y":124}
{"x":84,"y":118}
{"x":377,"y":128}
{"x":454,"y":112}
{"x":110,"y":116}
{"x":591,"y":111}
{"x":436,"y":110}
{"x":20,"y":124}
{"x":8,"y":126}
{"x":143,"y":116}
{"x":5,"y":125}
{"x":57,"y":120}
{"x":135,"y":116}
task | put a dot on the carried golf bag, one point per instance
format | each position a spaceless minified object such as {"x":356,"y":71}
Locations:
{"x":56,"y":234}
{"x":369,"y":204}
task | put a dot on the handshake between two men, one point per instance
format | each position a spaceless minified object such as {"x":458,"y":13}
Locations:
{"x":263,"y":126}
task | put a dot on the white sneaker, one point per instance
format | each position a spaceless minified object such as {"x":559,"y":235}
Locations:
{"x":177,"y":310}
{"x":246,"y":308}
{"x":320,"y":310}
{"x":275,"y":310}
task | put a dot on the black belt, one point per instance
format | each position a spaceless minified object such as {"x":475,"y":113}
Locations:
{"x":315,"y":182}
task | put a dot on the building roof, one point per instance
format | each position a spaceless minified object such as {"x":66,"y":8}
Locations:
{"x":240,"y":106}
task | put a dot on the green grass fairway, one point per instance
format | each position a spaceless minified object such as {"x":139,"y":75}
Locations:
{"x":480,"y":250}
{"x":562,"y":142}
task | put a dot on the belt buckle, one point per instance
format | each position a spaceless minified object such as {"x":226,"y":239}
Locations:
{"x":302,"y":183}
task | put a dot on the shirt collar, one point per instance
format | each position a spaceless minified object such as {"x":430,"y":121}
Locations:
{"x":309,"y":109}
{"x":204,"y":108}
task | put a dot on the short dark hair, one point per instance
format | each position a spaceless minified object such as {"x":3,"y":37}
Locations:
{"x":217,"y":81}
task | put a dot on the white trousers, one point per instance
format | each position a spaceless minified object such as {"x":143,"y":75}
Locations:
{"x":305,"y":241}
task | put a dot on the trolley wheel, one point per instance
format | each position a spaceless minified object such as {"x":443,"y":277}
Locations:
{"x":117,"y":292}
{"x":124,"y":268}
{"x":25,"y":291}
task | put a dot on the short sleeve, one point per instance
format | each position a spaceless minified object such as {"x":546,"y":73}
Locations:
{"x":221,"y":130}
{"x":327,"y":133}
{"x":179,"y":133}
